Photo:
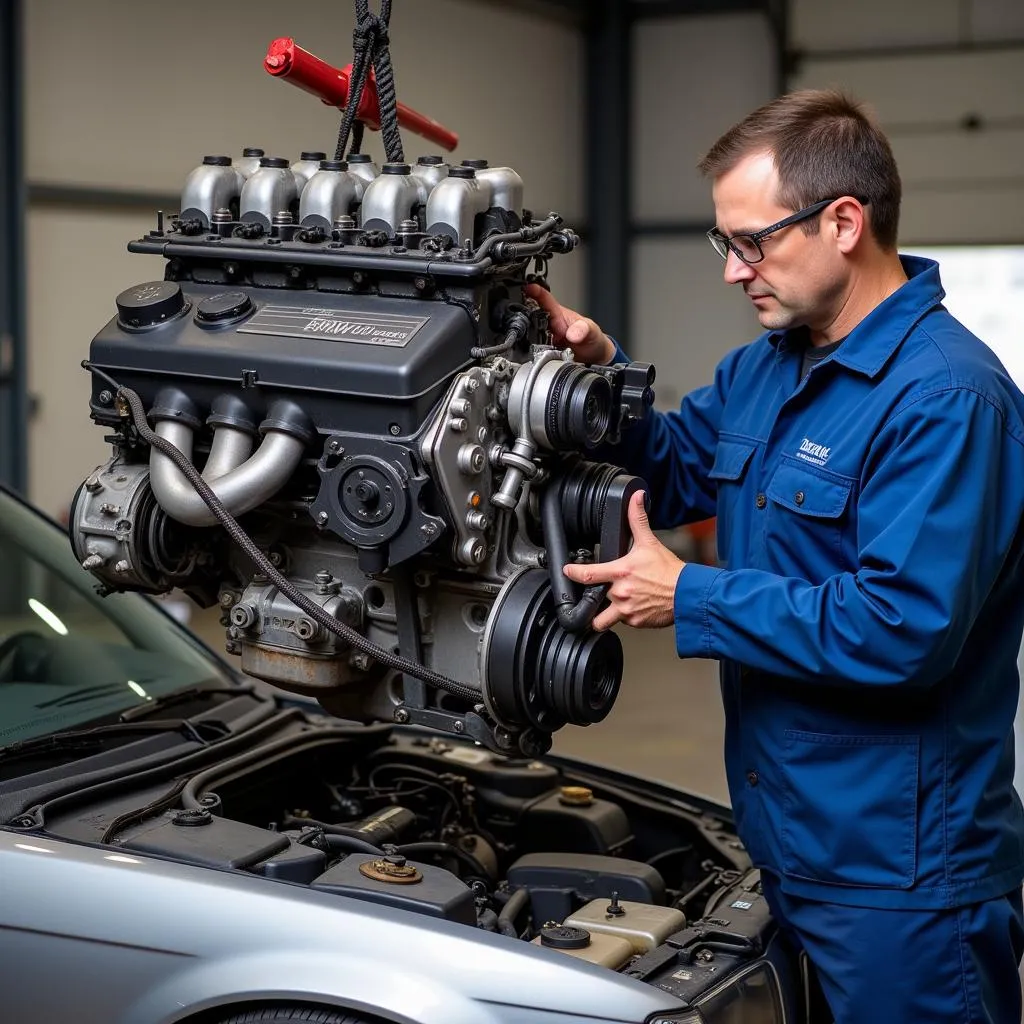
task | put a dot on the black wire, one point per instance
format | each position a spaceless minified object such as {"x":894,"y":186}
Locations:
{"x":242,"y":539}
{"x":370,"y":43}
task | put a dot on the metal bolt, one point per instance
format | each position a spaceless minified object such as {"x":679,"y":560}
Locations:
{"x":361,"y":661}
{"x":122,"y":566}
{"x":394,"y":430}
{"x":110,"y":510}
{"x":226,"y":599}
{"x":428,"y":529}
{"x":458,"y":726}
{"x":472,"y":384}
{"x":305,"y":629}
{"x":460,"y":407}
{"x":276,"y":558}
{"x":221,"y":216}
{"x":478,"y":520}
{"x":358,"y":277}
{"x":335,"y":447}
{"x":105,"y":397}
{"x":705,"y":956}
{"x":458,"y":424}
{"x":242,"y":616}
{"x":323,"y":577}
{"x":401,"y":716}
{"x":92,"y":485}
{"x":473,"y":551}
{"x":322,"y":518}
{"x":420,"y":284}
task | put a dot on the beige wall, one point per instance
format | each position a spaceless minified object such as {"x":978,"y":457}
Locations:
{"x":131,"y":94}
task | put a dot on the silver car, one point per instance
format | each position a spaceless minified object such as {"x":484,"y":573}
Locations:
{"x":179,"y":843}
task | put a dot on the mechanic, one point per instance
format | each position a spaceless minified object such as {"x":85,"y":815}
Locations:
{"x":865,"y":460}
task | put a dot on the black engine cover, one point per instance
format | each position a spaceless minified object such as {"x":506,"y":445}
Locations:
{"x":354,"y":363}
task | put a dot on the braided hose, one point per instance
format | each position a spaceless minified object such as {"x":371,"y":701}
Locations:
{"x":242,"y":539}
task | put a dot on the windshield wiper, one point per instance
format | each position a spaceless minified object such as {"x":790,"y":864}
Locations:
{"x":88,"y":693}
{"x":179,"y":697}
{"x":93,"y":737}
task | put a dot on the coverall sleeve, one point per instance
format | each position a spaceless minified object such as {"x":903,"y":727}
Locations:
{"x":941,"y":500}
{"x":673,"y":451}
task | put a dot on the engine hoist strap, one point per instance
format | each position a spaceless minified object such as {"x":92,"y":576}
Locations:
{"x":372,"y":55}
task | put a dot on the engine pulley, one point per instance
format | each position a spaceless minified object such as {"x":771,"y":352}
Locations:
{"x":538,"y":674}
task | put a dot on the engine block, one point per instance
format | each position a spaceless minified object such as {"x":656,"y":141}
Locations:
{"x":348,"y":359}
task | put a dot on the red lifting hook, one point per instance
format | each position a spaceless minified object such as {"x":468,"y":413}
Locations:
{"x":285,"y":59}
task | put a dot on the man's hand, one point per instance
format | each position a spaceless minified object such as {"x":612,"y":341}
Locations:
{"x":589,"y":343}
{"x":643,"y":583}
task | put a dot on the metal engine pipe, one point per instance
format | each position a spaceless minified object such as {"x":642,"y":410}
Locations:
{"x":231,"y":447}
{"x":240,"y":490}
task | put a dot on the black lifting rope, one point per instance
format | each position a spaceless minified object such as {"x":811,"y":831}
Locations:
{"x":370,"y":42}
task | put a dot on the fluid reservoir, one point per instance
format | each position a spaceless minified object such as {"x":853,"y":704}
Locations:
{"x":305,"y":167}
{"x":249,"y":162}
{"x":269,"y":192}
{"x":454,"y":204}
{"x":506,"y":186}
{"x":644,"y":926}
{"x":428,"y":172}
{"x":389,"y":199}
{"x":328,"y":195}
{"x":363,"y":170}
{"x":214,"y":185}
{"x":596,"y":948}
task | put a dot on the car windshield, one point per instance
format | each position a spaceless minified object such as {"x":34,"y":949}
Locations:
{"x":69,"y":656}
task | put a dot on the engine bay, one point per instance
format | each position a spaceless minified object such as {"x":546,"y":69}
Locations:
{"x":584,"y":863}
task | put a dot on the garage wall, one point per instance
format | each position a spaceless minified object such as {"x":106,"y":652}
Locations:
{"x":694,"y":77}
{"x":129,"y":95}
{"x":946,"y":79}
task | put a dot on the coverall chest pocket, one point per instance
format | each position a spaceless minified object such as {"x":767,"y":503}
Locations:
{"x":807,"y":512}
{"x":732,"y":457}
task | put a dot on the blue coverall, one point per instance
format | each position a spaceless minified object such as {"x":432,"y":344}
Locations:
{"x":867,"y":622}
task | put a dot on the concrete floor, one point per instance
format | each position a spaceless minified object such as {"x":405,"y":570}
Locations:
{"x":667,"y":722}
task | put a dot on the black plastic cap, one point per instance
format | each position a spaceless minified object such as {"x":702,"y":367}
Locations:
{"x":273,"y":161}
{"x":217,"y":161}
{"x":252,"y":151}
{"x":146,"y":305}
{"x":174,"y":405}
{"x":333,"y":165}
{"x":359,"y":158}
{"x":462,"y":172}
{"x":308,"y":154}
{"x":564,"y":936}
{"x":223,"y":306}
{"x":395,"y":168}
{"x":289,"y":419}
{"x":478,"y":164}
{"x":231,"y":411}
{"x":429,"y":161}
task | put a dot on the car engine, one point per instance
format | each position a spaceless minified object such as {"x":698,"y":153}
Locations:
{"x":339,"y":418}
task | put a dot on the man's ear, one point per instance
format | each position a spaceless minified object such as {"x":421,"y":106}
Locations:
{"x":847,"y":219}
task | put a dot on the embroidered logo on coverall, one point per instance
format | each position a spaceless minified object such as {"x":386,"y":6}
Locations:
{"x":811,"y":452}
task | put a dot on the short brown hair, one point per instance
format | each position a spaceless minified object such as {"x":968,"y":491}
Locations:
{"x":825,"y":145}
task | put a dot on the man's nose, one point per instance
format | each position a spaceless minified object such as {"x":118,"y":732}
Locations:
{"x":736,"y":270}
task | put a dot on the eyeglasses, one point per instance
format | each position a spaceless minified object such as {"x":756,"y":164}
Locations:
{"x":748,"y":247}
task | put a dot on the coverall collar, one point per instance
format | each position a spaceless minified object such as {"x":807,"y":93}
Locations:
{"x":869,"y":346}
